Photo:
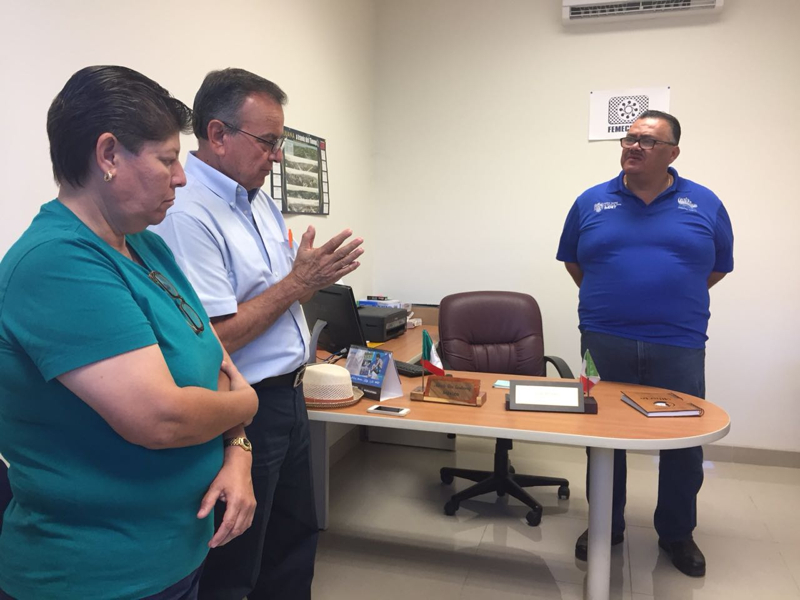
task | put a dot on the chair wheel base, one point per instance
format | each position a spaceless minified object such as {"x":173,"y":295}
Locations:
{"x":563,"y":492}
{"x":534,"y":517}
{"x":450,"y":508}
{"x":447,"y":478}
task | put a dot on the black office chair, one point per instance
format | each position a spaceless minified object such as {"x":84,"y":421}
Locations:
{"x":496,"y":332}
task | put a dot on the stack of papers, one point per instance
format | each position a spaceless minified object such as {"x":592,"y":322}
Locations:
{"x":388,"y":303}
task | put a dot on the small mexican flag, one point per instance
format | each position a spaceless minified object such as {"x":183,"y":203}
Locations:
{"x":430,"y":359}
{"x":589,"y":374}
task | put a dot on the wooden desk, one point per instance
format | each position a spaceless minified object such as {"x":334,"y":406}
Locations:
{"x":616,"y":425}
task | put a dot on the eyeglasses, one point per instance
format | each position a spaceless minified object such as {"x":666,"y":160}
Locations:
{"x":645,"y":143}
{"x":274,"y":146}
{"x":190,"y":314}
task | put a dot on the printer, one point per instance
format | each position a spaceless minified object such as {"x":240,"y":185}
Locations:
{"x":380,"y":324}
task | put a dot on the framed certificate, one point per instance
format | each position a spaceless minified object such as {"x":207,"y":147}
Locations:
{"x":547,"y":396}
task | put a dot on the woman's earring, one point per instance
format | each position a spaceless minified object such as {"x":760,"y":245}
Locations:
{"x":108,"y":176}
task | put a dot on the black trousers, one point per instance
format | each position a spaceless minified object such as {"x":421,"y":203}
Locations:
{"x":274,"y":559}
{"x":680,"y":472}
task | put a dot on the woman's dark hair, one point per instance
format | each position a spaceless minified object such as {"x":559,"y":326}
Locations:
{"x":108,"y":99}
{"x":222,"y":94}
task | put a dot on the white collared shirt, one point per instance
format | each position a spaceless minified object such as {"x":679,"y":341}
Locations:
{"x":232,"y":250}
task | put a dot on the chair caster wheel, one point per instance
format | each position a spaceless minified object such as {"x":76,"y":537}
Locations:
{"x":450,"y":508}
{"x":446,"y":477}
{"x":500,"y":493}
{"x":534,"y":517}
{"x":563,"y":492}
{"x":511,"y":469}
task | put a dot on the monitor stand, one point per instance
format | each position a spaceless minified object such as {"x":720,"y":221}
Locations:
{"x":318,"y":327}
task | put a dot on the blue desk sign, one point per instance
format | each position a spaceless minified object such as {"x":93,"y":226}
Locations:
{"x":373,"y":371}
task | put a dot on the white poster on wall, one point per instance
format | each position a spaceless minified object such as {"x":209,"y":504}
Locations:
{"x":611,"y":112}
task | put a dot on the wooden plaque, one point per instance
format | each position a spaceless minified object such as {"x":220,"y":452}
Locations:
{"x":451,"y":390}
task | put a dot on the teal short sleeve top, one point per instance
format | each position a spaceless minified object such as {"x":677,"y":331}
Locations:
{"x":94,"y":516}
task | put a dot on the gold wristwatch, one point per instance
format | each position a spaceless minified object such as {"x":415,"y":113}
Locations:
{"x":242,"y":442}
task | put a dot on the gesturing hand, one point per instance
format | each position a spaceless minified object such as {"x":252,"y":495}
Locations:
{"x":316,"y":268}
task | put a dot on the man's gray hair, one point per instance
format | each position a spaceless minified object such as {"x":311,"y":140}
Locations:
{"x":222,"y":94}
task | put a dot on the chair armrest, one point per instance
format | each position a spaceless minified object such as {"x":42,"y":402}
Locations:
{"x":561,"y":366}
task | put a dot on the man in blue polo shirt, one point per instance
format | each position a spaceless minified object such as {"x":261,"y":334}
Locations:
{"x":231,"y":241}
{"x":644,"y":249}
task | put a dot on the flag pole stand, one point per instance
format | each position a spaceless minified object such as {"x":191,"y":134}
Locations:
{"x":420,"y":389}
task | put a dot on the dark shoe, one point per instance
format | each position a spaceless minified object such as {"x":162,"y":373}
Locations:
{"x":582,"y":545}
{"x":686,"y":557}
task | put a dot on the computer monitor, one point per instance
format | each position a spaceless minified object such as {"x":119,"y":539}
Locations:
{"x":336,"y":305}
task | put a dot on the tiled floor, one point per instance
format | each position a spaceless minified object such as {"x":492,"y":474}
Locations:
{"x":389,"y":538}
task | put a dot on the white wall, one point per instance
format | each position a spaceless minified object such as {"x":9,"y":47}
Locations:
{"x":319,"y":52}
{"x":481,"y":124}
{"x":471,"y":118}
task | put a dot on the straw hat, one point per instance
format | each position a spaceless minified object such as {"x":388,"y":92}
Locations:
{"x":329,"y":386}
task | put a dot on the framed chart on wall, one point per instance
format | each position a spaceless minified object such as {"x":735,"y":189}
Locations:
{"x":300,"y":181}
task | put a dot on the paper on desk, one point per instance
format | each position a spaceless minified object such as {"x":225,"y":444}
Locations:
{"x":503,"y":384}
{"x":546,"y":395}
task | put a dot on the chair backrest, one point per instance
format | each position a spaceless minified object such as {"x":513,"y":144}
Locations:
{"x":492,"y":332}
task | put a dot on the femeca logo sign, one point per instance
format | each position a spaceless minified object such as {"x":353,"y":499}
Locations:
{"x":623,"y":110}
{"x":612,"y":112}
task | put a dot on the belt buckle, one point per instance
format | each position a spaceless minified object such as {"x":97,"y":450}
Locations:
{"x":298,"y":376}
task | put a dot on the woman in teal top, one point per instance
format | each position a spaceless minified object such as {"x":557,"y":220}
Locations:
{"x":110,"y":416}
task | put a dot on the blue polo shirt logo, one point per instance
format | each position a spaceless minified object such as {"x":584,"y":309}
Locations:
{"x":686,"y":204}
{"x":601,"y":206}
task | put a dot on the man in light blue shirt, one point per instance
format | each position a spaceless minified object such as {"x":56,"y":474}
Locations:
{"x":231,"y":241}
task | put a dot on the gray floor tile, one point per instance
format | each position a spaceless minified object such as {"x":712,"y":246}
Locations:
{"x":736,"y":570}
{"x":389,"y":537}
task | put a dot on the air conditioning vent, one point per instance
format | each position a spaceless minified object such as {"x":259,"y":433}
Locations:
{"x":590,"y":10}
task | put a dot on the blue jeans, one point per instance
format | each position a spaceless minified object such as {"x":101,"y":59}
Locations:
{"x":680,"y":472}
